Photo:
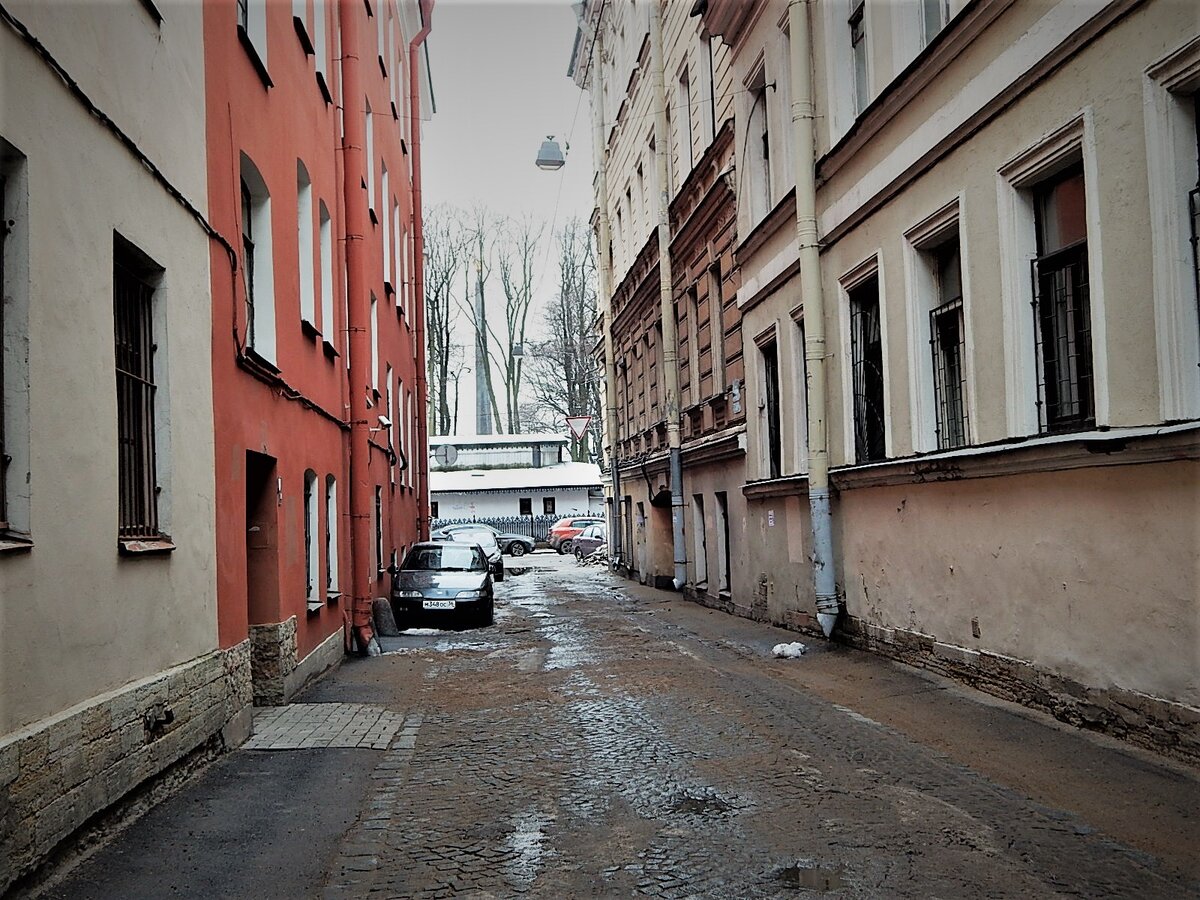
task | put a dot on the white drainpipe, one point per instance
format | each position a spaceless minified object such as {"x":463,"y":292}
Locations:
{"x":666,"y":301}
{"x":804,"y":140}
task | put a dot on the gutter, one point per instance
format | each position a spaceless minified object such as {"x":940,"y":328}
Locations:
{"x":813,"y":304}
{"x":670,"y":349}
{"x":421,"y":456}
{"x":362,"y":635}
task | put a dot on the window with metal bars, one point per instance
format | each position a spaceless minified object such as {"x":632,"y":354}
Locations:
{"x":1194,"y":204}
{"x":133,"y":314}
{"x":866,"y":337}
{"x":770,"y":420}
{"x":947,"y":338}
{"x":4,"y":458}
{"x":1061,"y":305}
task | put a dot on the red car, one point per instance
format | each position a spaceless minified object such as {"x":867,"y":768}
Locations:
{"x":564,"y":530}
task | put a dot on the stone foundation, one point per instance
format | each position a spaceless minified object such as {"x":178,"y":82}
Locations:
{"x":61,"y":772}
{"x":272,"y":660}
{"x":1163,"y":726}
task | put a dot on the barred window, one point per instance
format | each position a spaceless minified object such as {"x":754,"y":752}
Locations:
{"x":770,"y":409}
{"x":866,"y":338}
{"x":1061,"y":305}
{"x":947,"y":345}
{"x":4,"y":458}
{"x":133,"y":313}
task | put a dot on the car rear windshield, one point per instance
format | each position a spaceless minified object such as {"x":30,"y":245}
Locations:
{"x":483,"y":538}
{"x":445,"y":559}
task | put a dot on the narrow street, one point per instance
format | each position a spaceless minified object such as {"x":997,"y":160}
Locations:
{"x":607,"y":740}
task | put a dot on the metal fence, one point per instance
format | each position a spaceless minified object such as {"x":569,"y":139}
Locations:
{"x":535,"y":527}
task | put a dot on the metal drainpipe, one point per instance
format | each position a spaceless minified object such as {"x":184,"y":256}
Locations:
{"x":804,"y":135}
{"x":666,"y":301}
{"x":421,"y":473}
{"x":358,"y":307}
{"x":605,"y":260}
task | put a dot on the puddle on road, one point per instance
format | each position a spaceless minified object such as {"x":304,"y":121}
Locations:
{"x":706,"y":806}
{"x":810,"y":877}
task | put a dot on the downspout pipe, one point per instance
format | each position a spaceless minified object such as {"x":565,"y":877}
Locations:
{"x":813,"y":299}
{"x":604,"y":256}
{"x":358,"y":324}
{"x":421,"y":454}
{"x":666,"y":300}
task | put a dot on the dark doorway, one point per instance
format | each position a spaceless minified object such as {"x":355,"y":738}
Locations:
{"x":262,"y":539}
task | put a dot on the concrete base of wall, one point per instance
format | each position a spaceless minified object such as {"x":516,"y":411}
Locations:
{"x":61,"y":772}
{"x":1154,"y":723}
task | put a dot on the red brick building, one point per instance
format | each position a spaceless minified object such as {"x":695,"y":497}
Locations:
{"x":313,"y":124}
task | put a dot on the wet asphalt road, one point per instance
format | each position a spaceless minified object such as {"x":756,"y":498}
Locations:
{"x":606,"y":740}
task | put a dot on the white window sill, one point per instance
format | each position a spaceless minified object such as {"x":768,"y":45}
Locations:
{"x":147,"y":547}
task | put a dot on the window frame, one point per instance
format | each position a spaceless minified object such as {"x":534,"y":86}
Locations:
{"x":136,"y":280}
{"x":861,"y":447}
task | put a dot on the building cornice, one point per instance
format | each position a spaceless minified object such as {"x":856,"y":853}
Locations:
{"x":727,"y":444}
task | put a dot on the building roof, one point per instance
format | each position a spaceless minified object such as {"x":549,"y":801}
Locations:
{"x":495,"y":440}
{"x":563,"y":475}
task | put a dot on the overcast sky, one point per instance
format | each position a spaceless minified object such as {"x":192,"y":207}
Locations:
{"x":500,"y":83}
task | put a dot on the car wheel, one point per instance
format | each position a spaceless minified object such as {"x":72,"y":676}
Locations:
{"x":566,"y":547}
{"x":516,"y":549}
{"x":499,"y":574}
{"x":486,"y":614}
{"x":579,"y":554}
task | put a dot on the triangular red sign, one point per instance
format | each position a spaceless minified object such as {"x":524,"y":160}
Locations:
{"x":578,"y":425}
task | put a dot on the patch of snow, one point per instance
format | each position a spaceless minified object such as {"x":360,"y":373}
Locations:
{"x":794,"y":650}
{"x":423,"y":632}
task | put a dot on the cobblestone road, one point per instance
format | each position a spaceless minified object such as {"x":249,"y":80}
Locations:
{"x":590,"y":746}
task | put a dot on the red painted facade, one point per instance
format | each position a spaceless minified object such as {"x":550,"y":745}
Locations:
{"x":307,"y":411}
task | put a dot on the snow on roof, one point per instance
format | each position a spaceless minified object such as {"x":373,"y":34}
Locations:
{"x":495,"y":440}
{"x":571,"y":474}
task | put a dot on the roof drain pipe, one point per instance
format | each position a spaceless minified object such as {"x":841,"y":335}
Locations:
{"x":354,"y":166}
{"x":670,"y":349}
{"x":813,"y":304}
{"x":421,"y":475}
{"x":600,"y":152}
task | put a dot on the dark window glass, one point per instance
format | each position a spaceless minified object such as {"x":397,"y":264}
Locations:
{"x":947,"y":344}
{"x":134,"y":334}
{"x":248,"y":259}
{"x":526,"y":506}
{"x":866,"y":337}
{"x":770,"y":359}
{"x":1061,"y":305}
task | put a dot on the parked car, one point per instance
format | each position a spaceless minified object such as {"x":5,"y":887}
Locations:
{"x":510,"y":543}
{"x":486,"y":539}
{"x":563,"y":531}
{"x":589,"y":539}
{"x":445,"y":580}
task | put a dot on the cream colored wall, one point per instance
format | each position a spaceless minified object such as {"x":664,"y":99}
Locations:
{"x":76,"y":619}
{"x":1089,"y":572}
{"x":1112,"y":98}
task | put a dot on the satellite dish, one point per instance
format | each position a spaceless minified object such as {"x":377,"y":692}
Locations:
{"x":446,"y":455}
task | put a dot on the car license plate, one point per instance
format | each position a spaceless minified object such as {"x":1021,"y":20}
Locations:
{"x":438,"y":604}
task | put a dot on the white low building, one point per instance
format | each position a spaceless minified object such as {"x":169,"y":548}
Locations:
{"x":510,"y":475}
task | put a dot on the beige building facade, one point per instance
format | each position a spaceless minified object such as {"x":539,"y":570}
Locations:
{"x":109,"y":664}
{"x":1005,"y":207}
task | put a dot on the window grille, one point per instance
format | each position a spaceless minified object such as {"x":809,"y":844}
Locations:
{"x":1062,"y":307}
{"x":4,"y":459}
{"x":770,"y":359}
{"x":946,"y":341}
{"x":1062,"y":320}
{"x":867,"y":355}
{"x":248,"y":259}
{"x":134,"y":332}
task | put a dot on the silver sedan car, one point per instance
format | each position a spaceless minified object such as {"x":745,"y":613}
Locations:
{"x":444,"y":581}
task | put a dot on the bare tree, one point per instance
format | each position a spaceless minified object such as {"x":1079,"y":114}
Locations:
{"x":481,"y":240}
{"x":562,"y":371}
{"x":445,"y":257}
{"x":517,"y":254}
